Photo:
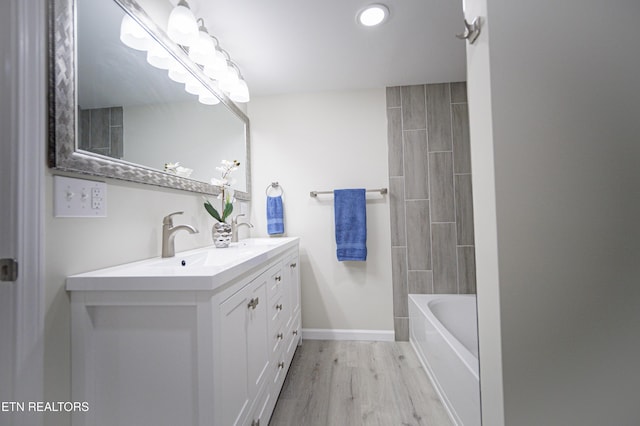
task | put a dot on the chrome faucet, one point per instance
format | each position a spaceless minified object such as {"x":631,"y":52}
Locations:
{"x":235,"y":225}
{"x":169,"y":234}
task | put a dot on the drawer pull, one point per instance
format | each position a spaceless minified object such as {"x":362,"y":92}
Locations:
{"x":281,"y":364}
{"x":255,"y":422}
{"x":253,"y":303}
{"x":278,"y":278}
{"x":295,"y":332}
{"x":279,"y":307}
{"x":280,"y":336}
{"x":293,"y":265}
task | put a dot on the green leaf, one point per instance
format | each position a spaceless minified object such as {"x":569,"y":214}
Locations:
{"x":228,"y":209}
{"x":212,"y":211}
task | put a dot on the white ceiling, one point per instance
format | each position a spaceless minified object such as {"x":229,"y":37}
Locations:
{"x":286,"y":46}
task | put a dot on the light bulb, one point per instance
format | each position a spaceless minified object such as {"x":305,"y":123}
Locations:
{"x":133,"y":35}
{"x":218,"y":67}
{"x":241,"y":92}
{"x":182,"y":27}
{"x":158,"y":56}
{"x":194,"y":86}
{"x":229,"y":80}
{"x":208,"y":98}
{"x":203,"y":50}
{"x":178,"y":73}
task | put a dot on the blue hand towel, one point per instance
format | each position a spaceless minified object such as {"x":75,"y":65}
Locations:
{"x":351,"y":224}
{"x":275,"y":218}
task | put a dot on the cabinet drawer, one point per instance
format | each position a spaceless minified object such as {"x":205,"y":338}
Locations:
{"x":293,"y":338}
{"x":281,"y":367}
{"x":278,"y":340}
{"x":275,"y":283}
{"x":276,"y":312}
{"x":263,"y":408}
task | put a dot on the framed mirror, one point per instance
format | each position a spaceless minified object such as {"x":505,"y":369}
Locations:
{"x":113,"y":114}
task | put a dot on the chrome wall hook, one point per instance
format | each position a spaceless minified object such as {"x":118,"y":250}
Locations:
{"x":471,"y":30}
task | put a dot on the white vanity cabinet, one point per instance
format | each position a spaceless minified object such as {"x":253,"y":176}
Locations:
{"x":180,"y":349}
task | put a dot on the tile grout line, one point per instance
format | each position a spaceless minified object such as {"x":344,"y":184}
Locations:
{"x":405,"y":284}
{"x":426,"y":121}
{"x":455,"y":203}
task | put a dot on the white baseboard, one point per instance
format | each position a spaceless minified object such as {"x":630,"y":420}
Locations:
{"x":339,"y":334}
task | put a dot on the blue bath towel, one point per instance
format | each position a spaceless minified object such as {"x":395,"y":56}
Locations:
{"x":275,"y":215}
{"x":351,"y":224}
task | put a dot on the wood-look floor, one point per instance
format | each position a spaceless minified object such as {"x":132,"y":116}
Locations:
{"x":336,"y":383}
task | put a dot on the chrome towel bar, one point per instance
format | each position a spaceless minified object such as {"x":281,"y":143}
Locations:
{"x":382,"y":191}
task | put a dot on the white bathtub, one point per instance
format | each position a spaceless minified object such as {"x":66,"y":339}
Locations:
{"x":443,"y":332}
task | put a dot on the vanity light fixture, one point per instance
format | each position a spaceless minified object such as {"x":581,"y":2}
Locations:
{"x":194,"y":86}
{"x":217,"y":68}
{"x":208,"y":98}
{"x":158,"y":56}
{"x":178,"y":73}
{"x":241,"y":92}
{"x":203,"y":49}
{"x":229,"y":81}
{"x":133,"y":35}
{"x":182,"y":27}
{"x":372,"y":15}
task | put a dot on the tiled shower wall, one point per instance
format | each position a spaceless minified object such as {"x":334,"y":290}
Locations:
{"x":432,"y":244}
{"x":101,"y":131}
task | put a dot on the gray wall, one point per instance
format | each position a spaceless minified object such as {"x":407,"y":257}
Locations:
{"x":432,"y":241}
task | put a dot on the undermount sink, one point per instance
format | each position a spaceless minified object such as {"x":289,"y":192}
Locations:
{"x":200,"y":269}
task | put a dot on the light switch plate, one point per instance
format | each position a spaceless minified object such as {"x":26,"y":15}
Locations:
{"x":79,"y":197}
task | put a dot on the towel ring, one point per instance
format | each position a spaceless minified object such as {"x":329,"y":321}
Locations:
{"x":274,"y":186}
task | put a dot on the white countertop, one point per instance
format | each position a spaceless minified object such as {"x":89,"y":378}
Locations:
{"x":200,"y":269}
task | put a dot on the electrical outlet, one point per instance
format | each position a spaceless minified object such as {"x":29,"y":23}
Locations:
{"x":79,"y":197}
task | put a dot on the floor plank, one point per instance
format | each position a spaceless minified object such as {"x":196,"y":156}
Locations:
{"x":335,"y":383}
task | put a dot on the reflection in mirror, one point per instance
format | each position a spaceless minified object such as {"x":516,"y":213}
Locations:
{"x":133,"y":121}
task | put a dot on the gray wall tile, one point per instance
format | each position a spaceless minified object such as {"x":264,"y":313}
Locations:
{"x":413,"y":107}
{"x":461,"y":146}
{"x":116,"y":116}
{"x":439,"y":117}
{"x":466,"y":270}
{"x":429,"y":182}
{"x":393,"y":97}
{"x":445,"y":269}
{"x":416,"y":166}
{"x":394,"y":138}
{"x":464,"y":210}
{"x":420,"y":282}
{"x":100,"y":128}
{"x":117,"y":142}
{"x":397,"y":213}
{"x":459,"y":92}
{"x":418,"y":235}
{"x":84,"y":128}
{"x":399,"y":279}
{"x":401,"y":328}
{"x":441,"y":181}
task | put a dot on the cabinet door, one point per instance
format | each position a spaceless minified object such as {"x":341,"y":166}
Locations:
{"x":258,"y":335}
{"x":293,"y":282}
{"x":244,"y":352}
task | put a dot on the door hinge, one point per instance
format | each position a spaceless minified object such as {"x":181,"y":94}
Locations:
{"x":8,"y":269}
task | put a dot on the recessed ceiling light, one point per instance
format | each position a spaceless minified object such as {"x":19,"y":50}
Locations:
{"x":374,"y":14}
